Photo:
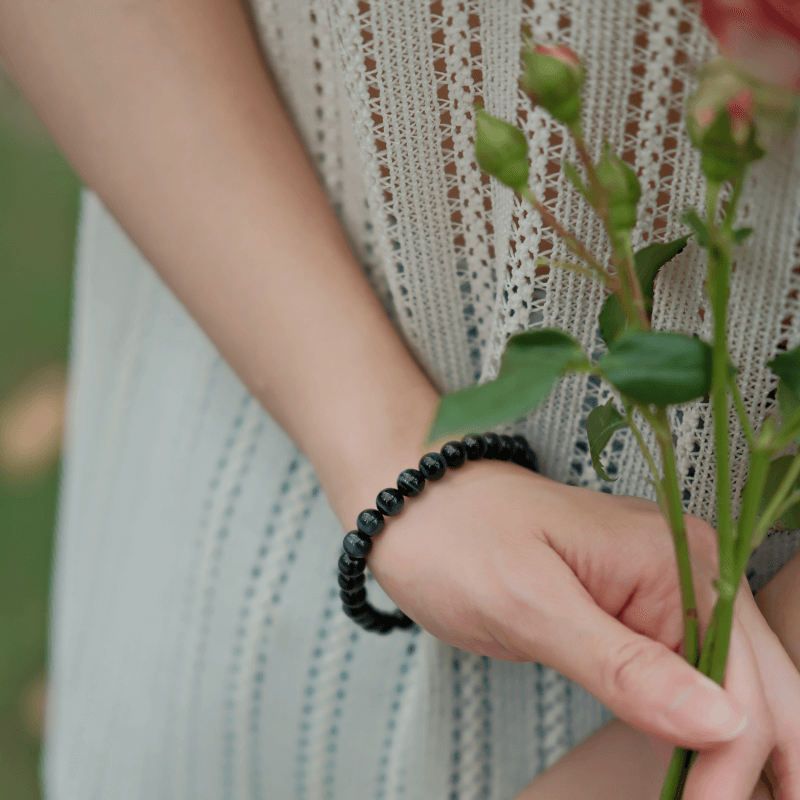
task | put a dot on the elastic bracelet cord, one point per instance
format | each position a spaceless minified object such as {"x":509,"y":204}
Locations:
{"x":389,"y":502}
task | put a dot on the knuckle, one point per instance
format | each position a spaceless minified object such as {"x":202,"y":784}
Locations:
{"x":625,"y":669}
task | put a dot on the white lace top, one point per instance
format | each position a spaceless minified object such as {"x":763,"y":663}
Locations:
{"x":382,"y":94}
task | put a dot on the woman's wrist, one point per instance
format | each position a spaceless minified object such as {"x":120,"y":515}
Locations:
{"x":372,"y":447}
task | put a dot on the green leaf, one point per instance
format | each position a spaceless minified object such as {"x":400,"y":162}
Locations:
{"x":658,"y":367}
{"x":546,"y":348}
{"x":740,"y":234}
{"x":789,"y":406}
{"x":691,"y":218}
{"x":778,"y":467}
{"x":787,"y":367}
{"x":575,"y":179}
{"x":531,"y":365}
{"x":647,"y":261}
{"x":601,"y":424}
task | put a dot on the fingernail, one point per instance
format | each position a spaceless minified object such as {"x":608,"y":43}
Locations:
{"x":706,"y":705}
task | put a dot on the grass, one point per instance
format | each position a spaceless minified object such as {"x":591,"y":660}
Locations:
{"x":39,"y":195}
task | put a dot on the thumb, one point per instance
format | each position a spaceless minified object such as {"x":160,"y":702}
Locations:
{"x":640,"y":680}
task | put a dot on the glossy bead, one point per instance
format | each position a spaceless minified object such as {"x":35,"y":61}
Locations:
{"x":369,"y":614}
{"x":432,"y":466}
{"x":354,"y":599}
{"x":404,"y":622}
{"x":455,"y":454}
{"x":475,"y":446}
{"x":532,"y":462}
{"x":351,"y":566}
{"x":506,"y":447}
{"x":520,"y":451}
{"x":384,"y":624}
{"x":390,"y":502}
{"x":351,"y":582}
{"x":521,"y":441}
{"x":492,"y":444}
{"x":411,"y":482}
{"x":357,"y":614}
{"x":357,"y":544}
{"x":370,"y":522}
{"x":373,"y":622}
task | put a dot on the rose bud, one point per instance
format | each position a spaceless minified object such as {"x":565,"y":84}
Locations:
{"x":553,"y":76}
{"x":501,"y":150}
{"x":721,"y":124}
{"x":622,"y":189}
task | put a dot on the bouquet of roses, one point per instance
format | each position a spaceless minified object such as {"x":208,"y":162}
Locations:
{"x":736,"y":112}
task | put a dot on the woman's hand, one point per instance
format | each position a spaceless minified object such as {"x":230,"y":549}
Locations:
{"x":505,"y":563}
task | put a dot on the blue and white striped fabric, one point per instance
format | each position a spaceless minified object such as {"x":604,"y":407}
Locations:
{"x":198,"y":649}
{"x":198,"y":645}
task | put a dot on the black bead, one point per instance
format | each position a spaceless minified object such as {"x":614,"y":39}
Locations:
{"x":357,"y":544}
{"x":403,"y":621}
{"x":506,"y":447}
{"x":354,"y":599}
{"x":370,"y":522}
{"x":351,"y":566}
{"x":455,"y":453}
{"x":533,"y":462}
{"x":390,"y":502}
{"x":520,"y":453}
{"x":492,"y":445}
{"x":521,"y":441}
{"x":373,"y":622}
{"x":384,"y":624}
{"x":368,"y":615}
{"x":411,"y":482}
{"x":351,"y":582}
{"x":359,"y":613}
{"x":432,"y":466}
{"x":475,"y":445}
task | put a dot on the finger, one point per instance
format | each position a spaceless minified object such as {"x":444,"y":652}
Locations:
{"x":642,"y":681}
{"x":733,"y":769}
{"x":781,"y":681}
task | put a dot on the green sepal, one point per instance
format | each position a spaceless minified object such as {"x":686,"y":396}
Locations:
{"x":722,"y":157}
{"x":647,"y":262}
{"x":553,"y":85}
{"x":691,"y":218}
{"x":601,"y":424}
{"x":531,"y":365}
{"x":622,"y":190}
{"x":740,"y":234}
{"x":575,"y":178}
{"x":659,"y":367}
{"x":790,"y":519}
{"x":501,"y":150}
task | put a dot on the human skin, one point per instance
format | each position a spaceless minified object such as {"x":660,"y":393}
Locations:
{"x":619,"y":761}
{"x":165,"y":109}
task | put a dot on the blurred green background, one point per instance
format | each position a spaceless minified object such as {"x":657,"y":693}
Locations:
{"x":39,"y":201}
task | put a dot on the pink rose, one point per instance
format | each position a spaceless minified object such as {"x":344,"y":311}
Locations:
{"x":761,"y":36}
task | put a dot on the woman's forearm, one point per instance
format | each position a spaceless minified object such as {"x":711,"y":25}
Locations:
{"x":165,"y":109}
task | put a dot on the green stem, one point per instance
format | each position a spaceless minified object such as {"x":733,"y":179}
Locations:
{"x":742,"y":412}
{"x":678,"y":525}
{"x":774,"y":509}
{"x":715,"y":649}
{"x":629,"y":289}
{"x":571,"y":242}
{"x":573,"y":267}
{"x":643,"y":447}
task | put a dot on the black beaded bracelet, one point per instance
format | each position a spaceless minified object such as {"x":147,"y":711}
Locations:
{"x":410,"y":483}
